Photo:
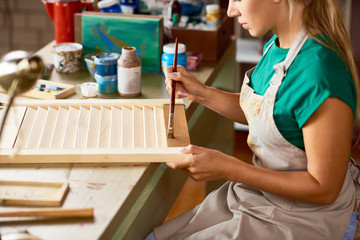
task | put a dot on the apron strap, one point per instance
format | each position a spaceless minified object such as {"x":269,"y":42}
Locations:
{"x":281,"y":68}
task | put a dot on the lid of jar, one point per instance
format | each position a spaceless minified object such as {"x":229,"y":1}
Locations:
{"x":106,"y":58}
{"x":170,"y":48}
{"x":212,"y":8}
{"x":107,"y":3}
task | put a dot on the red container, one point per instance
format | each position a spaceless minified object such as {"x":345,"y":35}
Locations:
{"x":62,"y":13}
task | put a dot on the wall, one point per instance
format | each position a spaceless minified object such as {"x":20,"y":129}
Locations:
{"x":24,"y":25}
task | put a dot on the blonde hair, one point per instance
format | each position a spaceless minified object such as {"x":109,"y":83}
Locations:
{"x":325,"y":16}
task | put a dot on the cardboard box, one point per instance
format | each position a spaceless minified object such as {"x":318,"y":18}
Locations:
{"x":211,"y":43}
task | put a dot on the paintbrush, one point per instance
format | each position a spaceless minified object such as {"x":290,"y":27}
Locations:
{"x":170,"y":133}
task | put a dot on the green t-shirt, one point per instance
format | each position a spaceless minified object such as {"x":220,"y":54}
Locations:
{"x":316,"y":74}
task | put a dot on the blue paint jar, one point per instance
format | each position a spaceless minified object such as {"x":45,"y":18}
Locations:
{"x":130,"y":6}
{"x":110,"y":6}
{"x":106,"y":63}
{"x":107,"y":84}
{"x":167,"y":58}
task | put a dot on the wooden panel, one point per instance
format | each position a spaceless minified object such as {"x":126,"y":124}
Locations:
{"x":115,"y":130}
{"x":81,"y":132}
{"x":126,"y":128}
{"x":25,"y":128}
{"x":58,"y":136}
{"x":48,"y":130}
{"x":32,"y":193}
{"x":11,"y":127}
{"x":93,"y":131}
{"x":36,"y":129}
{"x":104,"y":128}
{"x":82,"y":128}
{"x":137,"y":128}
{"x":149,"y":127}
{"x":181,"y":131}
{"x":160,"y":133}
{"x":70,"y":129}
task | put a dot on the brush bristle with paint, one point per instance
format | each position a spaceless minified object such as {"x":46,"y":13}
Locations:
{"x":170,"y":133}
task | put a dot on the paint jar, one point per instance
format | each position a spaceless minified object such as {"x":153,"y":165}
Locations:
{"x":90,"y":64}
{"x":130,"y":6}
{"x":106,"y":63}
{"x":167,"y":58}
{"x":129,"y":73}
{"x":107,"y":84}
{"x":110,"y":6}
{"x":67,"y":57}
{"x":212,"y":15}
{"x":89,"y":89}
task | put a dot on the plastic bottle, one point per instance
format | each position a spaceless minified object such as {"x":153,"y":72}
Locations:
{"x":212,"y":15}
{"x":129,"y":73}
{"x":167,"y":58}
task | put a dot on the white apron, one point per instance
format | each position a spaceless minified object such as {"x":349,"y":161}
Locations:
{"x":238,"y":211}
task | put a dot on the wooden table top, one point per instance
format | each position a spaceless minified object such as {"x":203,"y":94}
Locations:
{"x":128,"y":200}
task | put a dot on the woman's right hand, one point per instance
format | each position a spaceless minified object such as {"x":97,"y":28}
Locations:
{"x":187,"y":86}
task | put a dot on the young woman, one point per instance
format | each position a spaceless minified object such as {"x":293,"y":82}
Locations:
{"x":300,"y":103}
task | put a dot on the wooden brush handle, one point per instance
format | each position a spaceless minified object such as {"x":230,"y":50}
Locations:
{"x":173,"y":83}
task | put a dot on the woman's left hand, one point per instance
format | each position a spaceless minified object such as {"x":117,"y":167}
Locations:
{"x":204,"y":164}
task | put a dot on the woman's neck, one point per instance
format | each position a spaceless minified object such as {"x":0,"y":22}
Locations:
{"x":287,"y":30}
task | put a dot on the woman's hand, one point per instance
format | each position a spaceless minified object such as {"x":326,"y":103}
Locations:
{"x":187,"y":86}
{"x":205,"y":164}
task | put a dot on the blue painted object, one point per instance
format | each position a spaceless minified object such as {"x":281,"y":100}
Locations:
{"x":167,"y":58}
{"x":107,"y":84}
{"x":106,"y":63}
{"x":110,"y":6}
{"x":135,"y":4}
{"x":191,"y":9}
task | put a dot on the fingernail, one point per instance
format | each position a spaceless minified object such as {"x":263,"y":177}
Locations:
{"x":182,"y":93}
{"x":171,"y":75}
{"x":168,"y":85}
{"x":182,"y":149}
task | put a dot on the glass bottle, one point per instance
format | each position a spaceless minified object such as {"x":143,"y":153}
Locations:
{"x":174,"y":11}
{"x":129,"y":73}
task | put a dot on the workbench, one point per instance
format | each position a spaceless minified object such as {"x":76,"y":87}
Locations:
{"x":128,"y":200}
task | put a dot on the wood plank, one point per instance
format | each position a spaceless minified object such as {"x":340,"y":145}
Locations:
{"x":11,"y":126}
{"x":37,"y":128}
{"x":29,"y":193}
{"x":93,"y":155}
{"x":70,"y":129}
{"x":59,"y":132}
{"x":48,"y":129}
{"x":137,"y":128}
{"x":181,"y":131}
{"x":25,"y":128}
{"x":160,"y":133}
{"x":82,"y":127}
{"x":104,"y":128}
{"x":126,"y":128}
{"x":50,"y":213}
{"x":115,"y":128}
{"x":96,"y":102}
{"x":149,"y":127}
{"x":93,"y":132}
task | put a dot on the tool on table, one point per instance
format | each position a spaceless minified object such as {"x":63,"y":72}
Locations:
{"x":50,"y":213}
{"x":19,"y":71}
{"x":170,"y":133}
